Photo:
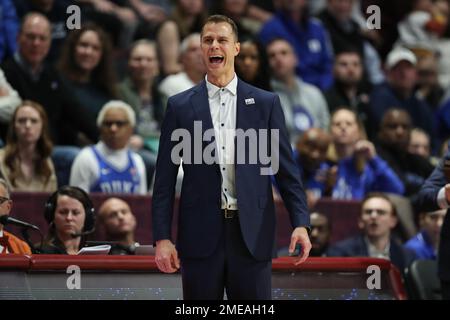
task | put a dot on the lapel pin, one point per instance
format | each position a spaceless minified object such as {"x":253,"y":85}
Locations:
{"x":249,"y":101}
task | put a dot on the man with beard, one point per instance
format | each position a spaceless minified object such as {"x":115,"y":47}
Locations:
{"x":377,"y":220}
{"x":310,"y":156}
{"x":347,"y":90}
{"x":393,"y":141}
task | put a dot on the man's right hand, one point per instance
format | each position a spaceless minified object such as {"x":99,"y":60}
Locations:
{"x":166,"y":256}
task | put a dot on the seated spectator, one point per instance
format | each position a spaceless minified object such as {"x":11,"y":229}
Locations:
{"x":70,"y":215}
{"x":86,"y":67}
{"x":9,"y":29}
{"x":110,"y":166}
{"x":348,"y":90}
{"x":426,"y":243}
{"x":139,"y":89}
{"x":392,"y":146}
{"x":25,"y":161}
{"x":308,"y":37}
{"x":310,"y":155}
{"x":345,"y":33}
{"x":428,"y":87}
{"x":37,"y":81}
{"x":251,"y":64}
{"x":194,"y":69}
{"x":303,"y":104}
{"x":398,"y":91}
{"x":377,"y":220}
{"x":359,"y":169}
{"x":320,"y":234}
{"x":56,"y":12}
{"x":9,"y":100}
{"x":419,"y":143}
{"x":9,"y":244}
{"x":119,"y":223}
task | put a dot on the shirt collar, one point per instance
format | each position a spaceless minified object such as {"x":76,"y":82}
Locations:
{"x":213,"y":89}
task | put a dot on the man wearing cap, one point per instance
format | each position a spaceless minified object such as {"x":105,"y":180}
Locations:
{"x":398,"y":91}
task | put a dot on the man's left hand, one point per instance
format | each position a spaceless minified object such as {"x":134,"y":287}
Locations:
{"x":300,"y":236}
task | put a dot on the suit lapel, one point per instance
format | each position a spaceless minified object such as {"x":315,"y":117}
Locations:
{"x":244,"y":113}
{"x":200,"y":104}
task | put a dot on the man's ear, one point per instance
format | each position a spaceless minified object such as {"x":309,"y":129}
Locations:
{"x":238,"y":48}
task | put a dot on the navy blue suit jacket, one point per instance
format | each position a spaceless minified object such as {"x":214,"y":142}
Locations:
{"x":356,"y":247}
{"x":426,"y":202}
{"x":200,"y":219}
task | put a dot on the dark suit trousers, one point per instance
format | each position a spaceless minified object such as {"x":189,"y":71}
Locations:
{"x":230,"y":267}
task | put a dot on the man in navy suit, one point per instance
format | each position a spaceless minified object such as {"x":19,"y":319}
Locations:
{"x":434,"y":195}
{"x":226,"y":223}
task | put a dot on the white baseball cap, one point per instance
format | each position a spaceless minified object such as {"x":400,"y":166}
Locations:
{"x":400,"y":54}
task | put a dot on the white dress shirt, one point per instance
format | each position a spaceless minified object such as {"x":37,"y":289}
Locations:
{"x":222,"y":105}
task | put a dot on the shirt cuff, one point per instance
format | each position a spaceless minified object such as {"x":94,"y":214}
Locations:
{"x":441,"y":200}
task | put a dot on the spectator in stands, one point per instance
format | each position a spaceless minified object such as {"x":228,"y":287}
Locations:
{"x":399,"y":92}
{"x":25,"y":161}
{"x":151,"y":14}
{"x":139,"y":89}
{"x":56,"y":12}
{"x":9,"y":244}
{"x":377,"y":220}
{"x":9,"y":100}
{"x":346,"y":33}
{"x":428,"y":87}
{"x":194,"y":69}
{"x":307,"y":36}
{"x":251,"y":64}
{"x":392,"y":146}
{"x":347,"y":90}
{"x":359,"y":169}
{"x":110,"y":166}
{"x":119,"y":223}
{"x":34,"y":80}
{"x":426,"y":243}
{"x":303,"y":104}
{"x":320,"y":234}
{"x":419,"y":143}
{"x":187,"y":17}
{"x":310,"y":154}
{"x":320,"y":237}
{"x":9,"y":29}
{"x":86,"y":67}
{"x":70,"y":215}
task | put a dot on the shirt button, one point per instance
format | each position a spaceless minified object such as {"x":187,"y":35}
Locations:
{"x":223,"y":148}
{"x":226,"y":189}
{"x":223,"y":103}
{"x":223,"y":169}
{"x":223,"y":89}
{"x":222,"y":124}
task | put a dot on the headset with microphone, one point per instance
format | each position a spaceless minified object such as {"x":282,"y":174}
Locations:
{"x":80,"y":195}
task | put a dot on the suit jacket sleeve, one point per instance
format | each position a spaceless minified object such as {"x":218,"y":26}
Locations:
{"x":165,"y":179}
{"x":288,"y":176}
{"x":427,"y":198}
